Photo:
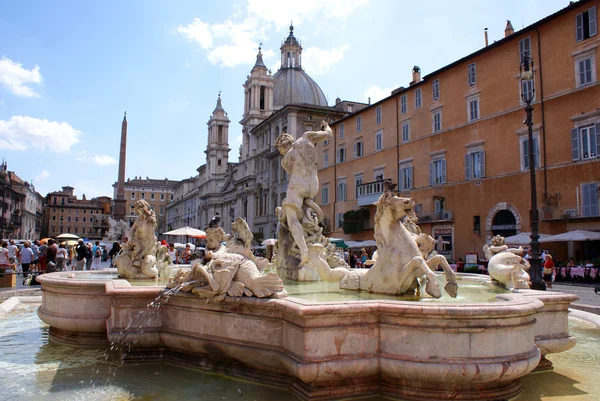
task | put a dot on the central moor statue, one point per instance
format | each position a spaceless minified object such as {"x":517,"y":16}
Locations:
{"x":299,"y":215}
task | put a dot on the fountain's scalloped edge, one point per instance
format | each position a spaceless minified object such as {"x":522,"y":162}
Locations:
{"x":325,"y":350}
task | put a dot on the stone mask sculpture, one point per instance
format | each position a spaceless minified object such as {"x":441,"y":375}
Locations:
{"x":400,"y":267}
{"x":137,"y":258}
{"x":506,"y":265}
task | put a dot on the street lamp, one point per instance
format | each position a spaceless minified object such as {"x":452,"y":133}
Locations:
{"x":527,"y":94}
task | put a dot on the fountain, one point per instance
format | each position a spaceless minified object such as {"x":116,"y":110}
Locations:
{"x":392,"y":332}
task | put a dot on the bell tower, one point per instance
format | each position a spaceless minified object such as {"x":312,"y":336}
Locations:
{"x":258,"y":102}
{"x":217,"y":149}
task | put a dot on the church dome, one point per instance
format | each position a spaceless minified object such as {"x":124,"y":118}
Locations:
{"x":293,"y":85}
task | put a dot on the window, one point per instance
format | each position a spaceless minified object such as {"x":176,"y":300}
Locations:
{"x":341,"y":130}
{"x":524,"y":46}
{"x":585,"y":142}
{"x":436,"y":120}
{"x":162,"y":196}
{"x":378,"y":115}
{"x":524,"y":140}
{"x":84,"y":211}
{"x":326,"y":142}
{"x":76,"y":218}
{"x":341,"y":190}
{"x":406,"y":131}
{"x":84,"y":219}
{"x":437,"y":171}
{"x":589,"y":199}
{"x":473,"y":108}
{"x":435,"y":89}
{"x":340,"y":220}
{"x":69,"y":218}
{"x":358,"y":123}
{"x":325,"y":195}
{"x":418,"y":102}
{"x":379,"y":176}
{"x":379,"y":140}
{"x":325,"y":159}
{"x":133,"y":195}
{"x":143,"y":195}
{"x":152,"y":195}
{"x":54,"y":218}
{"x":527,"y":91}
{"x":405,"y":178}
{"x":162,"y":210}
{"x":472,"y":74}
{"x":585,"y":70}
{"x":171,"y":196}
{"x":341,"y":155}
{"x":358,"y":180}
{"x":76,"y":230}
{"x":358,"y":149}
{"x":475,"y":164}
{"x":585,"y":24}
{"x":403,"y":107}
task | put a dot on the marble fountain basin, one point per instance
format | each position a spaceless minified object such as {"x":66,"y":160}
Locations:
{"x":424,"y":350}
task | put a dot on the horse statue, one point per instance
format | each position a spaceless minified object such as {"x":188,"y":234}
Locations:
{"x":137,"y":259}
{"x":400,"y":267}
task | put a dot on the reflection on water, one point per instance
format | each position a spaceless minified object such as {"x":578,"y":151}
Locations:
{"x":33,"y":369}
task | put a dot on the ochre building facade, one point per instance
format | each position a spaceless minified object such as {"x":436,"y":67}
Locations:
{"x":455,"y":141}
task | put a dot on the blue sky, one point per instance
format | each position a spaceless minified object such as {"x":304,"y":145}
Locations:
{"x":69,"y":69}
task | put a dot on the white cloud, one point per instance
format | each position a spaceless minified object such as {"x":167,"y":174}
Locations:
{"x":22,"y":133}
{"x":41,"y":177}
{"x":376,"y":93}
{"x":14,"y":77}
{"x":101,"y":160}
{"x":317,"y":61}
{"x":236,"y":40}
{"x":280,"y":13}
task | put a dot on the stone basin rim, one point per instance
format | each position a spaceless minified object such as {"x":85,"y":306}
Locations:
{"x":521,"y":303}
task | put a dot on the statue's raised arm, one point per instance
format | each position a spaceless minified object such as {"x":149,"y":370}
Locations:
{"x":319,"y":136}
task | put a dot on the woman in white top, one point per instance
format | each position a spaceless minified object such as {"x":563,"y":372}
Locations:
{"x":4,"y":260}
{"x":61,"y":258}
{"x":173,"y":253}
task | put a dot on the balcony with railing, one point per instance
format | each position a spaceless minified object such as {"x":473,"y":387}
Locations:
{"x":570,"y":212}
{"x":436,"y":216}
{"x":367,"y":194}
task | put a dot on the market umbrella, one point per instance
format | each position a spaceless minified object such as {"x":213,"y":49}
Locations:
{"x":522,"y":239}
{"x":339,"y":242}
{"x":66,"y":236}
{"x":270,"y":241}
{"x":188,"y":232}
{"x":69,"y":242}
{"x":577,"y":235}
{"x":44,"y":241}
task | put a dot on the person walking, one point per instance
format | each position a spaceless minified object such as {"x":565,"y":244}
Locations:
{"x":549,"y":270}
{"x":4,"y":260}
{"x":35,"y":247}
{"x":97,"y":256}
{"x":89,"y":256}
{"x":51,"y":254}
{"x":61,"y":258}
{"x":114,"y":251}
{"x":364,"y":256}
{"x":80,"y":251}
{"x":13,"y":251}
{"x":26,"y":257}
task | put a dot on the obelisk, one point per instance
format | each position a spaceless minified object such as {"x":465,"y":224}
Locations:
{"x":120,"y":202}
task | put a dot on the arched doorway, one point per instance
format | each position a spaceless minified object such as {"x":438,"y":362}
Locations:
{"x":504,"y":223}
{"x":503,"y":219}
